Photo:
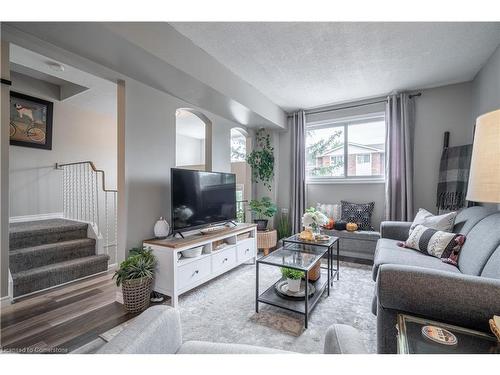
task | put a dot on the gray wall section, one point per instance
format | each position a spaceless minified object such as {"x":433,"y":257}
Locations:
{"x":447,"y":108}
{"x":77,"y":134}
{"x":4,"y":171}
{"x":150,"y":153}
{"x":486,"y":86}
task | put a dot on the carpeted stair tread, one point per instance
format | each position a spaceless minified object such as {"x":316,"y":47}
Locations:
{"x":37,"y":256}
{"x":35,"y":233}
{"x":57,"y":273}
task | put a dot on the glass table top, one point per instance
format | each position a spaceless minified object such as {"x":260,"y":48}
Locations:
{"x":295,"y":256}
{"x":296,"y":239}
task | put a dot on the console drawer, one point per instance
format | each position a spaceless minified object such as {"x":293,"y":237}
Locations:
{"x":223,"y":259}
{"x":192,"y":272}
{"x":246,"y":249}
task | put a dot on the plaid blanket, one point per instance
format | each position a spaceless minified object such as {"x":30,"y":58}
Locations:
{"x":453,"y":177}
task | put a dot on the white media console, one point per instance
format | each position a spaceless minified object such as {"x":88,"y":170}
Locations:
{"x":175,"y":276}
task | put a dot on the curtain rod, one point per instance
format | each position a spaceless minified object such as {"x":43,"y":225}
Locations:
{"x":312,"y":112}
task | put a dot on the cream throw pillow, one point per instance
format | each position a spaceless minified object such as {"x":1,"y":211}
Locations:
{"x":443,"y":222}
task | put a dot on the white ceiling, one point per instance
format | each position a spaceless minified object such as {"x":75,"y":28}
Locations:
{"x":100,"y":96}
{"x":304,"y":65}
{"x":189,"y":125}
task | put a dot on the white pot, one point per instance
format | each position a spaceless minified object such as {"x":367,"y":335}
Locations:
{"x":293,"y":285}
{"x":161,"y":229}
{"x":192,"y":253}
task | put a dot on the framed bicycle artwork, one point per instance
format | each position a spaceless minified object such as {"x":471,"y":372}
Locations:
{"x":30,"y":121}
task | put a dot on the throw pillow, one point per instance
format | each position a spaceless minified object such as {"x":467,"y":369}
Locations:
{"x":440,"y":244}
{"x":359,"y":213}
{"x":330,"y":210}
{"x":443,"y":222}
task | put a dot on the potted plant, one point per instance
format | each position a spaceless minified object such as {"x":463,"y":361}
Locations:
{"x":284,"y":227}
{"x":262,"y":208}
{"x":293,"y":278}
{"x":135,"y":276}
{"x":262,"y":159}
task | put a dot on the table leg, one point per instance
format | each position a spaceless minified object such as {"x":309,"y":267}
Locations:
{"x":306,"y":301}
{"x":257,"y":287}
{"x":338,"y":260}
{"x":328,"y":270}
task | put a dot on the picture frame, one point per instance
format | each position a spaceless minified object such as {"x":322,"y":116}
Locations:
{"x":30,"y":121}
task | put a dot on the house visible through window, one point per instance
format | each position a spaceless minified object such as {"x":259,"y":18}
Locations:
{"x":326,"y":151}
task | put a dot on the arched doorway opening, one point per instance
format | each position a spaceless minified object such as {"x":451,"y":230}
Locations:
{"x":193,"y":133}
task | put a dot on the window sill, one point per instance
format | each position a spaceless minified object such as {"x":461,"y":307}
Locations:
{"x":352,"y":181}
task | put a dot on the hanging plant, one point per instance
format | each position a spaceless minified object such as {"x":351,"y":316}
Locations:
{"x":262,"y":159}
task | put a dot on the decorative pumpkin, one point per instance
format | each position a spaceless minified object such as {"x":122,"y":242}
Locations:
{"x":351,"y":227}
{"x":307,"y":235}
{"x":340,"y":225}
{"x":330,"y":224}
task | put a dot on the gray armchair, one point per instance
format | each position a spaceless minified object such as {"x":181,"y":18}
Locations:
{"x":417,"y":284}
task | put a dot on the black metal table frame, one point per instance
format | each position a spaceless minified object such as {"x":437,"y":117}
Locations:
{"x":334,"y":271}
{"x":307,"y":307}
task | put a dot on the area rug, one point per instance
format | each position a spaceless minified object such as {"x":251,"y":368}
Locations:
{"x":223,"y":310}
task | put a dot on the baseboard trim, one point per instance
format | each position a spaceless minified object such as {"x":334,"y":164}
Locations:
{"x":5,"y":301}
{"x":20,"y":219}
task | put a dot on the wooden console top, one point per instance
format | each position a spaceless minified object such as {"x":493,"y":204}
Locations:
{"x":175,"y":243}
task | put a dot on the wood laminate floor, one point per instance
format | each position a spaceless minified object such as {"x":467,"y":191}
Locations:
{"x":62,"y":319}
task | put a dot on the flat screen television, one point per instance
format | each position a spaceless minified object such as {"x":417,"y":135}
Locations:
{"x":201,"y":198}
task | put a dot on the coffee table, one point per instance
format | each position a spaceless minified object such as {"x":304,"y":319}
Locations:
{"x":411,"y":340}
{"x":297,"y":257}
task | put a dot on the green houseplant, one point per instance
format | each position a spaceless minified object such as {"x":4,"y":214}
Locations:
{"x":284,"y":227}
{"x":135,"y":275}
{"x":262,"y":159}
{"x":264,"y":208}
{"x":293,"y":278}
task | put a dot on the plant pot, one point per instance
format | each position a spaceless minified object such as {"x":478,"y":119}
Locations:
{"x":261,"y":224}
{"x":293,"y":285}
{"x":136,"y":294}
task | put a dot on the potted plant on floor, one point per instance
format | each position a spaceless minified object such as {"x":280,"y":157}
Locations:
{"x":264,"y":208}
{"x":135,"y":276}
{"x":293,"y":278}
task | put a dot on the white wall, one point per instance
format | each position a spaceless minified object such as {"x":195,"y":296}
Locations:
{"x":486,"y":86}
{"x":446,"y":108}
{"x":189,"y":150}
{"x":77,"y":135}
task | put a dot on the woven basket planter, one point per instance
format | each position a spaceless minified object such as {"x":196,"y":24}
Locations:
{"x":136,"y":294}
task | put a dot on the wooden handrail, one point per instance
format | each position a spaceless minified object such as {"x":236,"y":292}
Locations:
{"x":92,"y":165}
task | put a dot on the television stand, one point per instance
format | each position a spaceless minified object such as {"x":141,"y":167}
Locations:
{"x":176,"y":275}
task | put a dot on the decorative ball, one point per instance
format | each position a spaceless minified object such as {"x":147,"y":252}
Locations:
{"x":351,"y":227}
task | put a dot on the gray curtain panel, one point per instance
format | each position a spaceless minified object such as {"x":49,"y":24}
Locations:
{"x":298,"y":198}
{"x":399,"y":118}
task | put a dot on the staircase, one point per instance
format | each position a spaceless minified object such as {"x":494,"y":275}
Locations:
{"x":47,"y":253}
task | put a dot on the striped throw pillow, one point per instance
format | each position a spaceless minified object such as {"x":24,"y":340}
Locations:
{"x":440,"y":244}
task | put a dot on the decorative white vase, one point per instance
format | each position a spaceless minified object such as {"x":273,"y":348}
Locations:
{"x":161,"y":228}
{"x":293,"y":285}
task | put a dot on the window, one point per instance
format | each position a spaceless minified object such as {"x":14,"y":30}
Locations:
{"x":327,"y":156}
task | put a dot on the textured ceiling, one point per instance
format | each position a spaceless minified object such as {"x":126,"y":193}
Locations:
{"x":304,"y":65}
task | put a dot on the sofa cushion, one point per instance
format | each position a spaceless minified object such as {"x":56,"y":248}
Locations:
{"x":203,"y":347}
{"x":365,"y":235}
{"x":466,"y":219}
{"x":492,"y":266}
{"x":482,"y":240}
{"x":438,"y":222}
{"x":388,"y":252}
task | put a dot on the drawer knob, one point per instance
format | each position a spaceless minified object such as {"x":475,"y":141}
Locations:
{"x":225,"y":260}
{"x":247,"y":250}
{"x":195,"y":272}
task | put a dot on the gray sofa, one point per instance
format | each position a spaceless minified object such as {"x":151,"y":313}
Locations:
{"x":158,"y":331}
{"x":408,"y":281}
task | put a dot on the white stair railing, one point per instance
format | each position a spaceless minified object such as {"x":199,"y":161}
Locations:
{"x":86,"y":198}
